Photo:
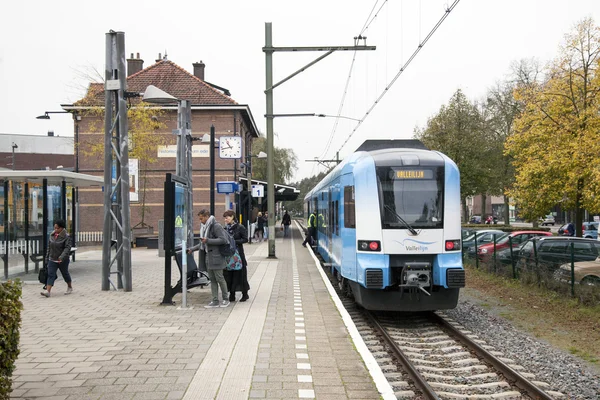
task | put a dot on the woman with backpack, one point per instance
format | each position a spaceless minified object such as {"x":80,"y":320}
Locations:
{"x":237,"y":280}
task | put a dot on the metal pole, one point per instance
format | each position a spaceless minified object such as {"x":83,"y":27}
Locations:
{"x":187,"y":109}
{"x":124,"y":152}
{"x":184,"y":269}
{"x":115,"y":129}
{"x":249,"y":190}
{"x":108,"y":117}
{"x":13,"y":156}
{"x":270,"y":170}
{"x":212,"y":170}
{"x":27,"y":245}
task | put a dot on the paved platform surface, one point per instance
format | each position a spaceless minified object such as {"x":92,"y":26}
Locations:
{"x":287,"y":341}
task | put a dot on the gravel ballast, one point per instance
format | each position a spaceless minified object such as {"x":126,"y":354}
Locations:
{"x":565,"y":373}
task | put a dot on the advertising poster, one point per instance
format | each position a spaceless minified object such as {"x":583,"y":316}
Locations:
{"x":134,"y":179}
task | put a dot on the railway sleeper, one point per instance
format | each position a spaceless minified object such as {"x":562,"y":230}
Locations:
{"x":405,"y":394}
{"x":495,"y":396}
{"x":479,"y":377}
{"x":462,"y":387}
{"x":450,"y":363}
{"x":463,"y":369}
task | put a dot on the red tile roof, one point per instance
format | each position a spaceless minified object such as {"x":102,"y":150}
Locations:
{"x":171,"y":78}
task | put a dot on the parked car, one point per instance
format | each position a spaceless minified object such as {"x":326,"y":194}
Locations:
{"x":552,"y":251}
{"x":483,"y":236}
{"x":485,"y":252}
{"x":465,"y":232}
{"x":547,"y":220}
{"x":504,"y":256}
{"x":562,"y":231}
{"x":590,"y":230}
{"x":475,"y":219}
{"x":586,"y":272}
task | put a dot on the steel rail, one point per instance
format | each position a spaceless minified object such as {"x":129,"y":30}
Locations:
{"x":509,"y":373}
{"x":417,"y":378}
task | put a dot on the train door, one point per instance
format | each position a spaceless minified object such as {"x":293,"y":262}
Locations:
{"x":330,"y":226}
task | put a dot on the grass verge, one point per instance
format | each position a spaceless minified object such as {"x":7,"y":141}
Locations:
{"x":547,"y":315}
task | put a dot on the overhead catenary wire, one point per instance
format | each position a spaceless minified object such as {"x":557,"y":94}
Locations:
{"x":366,"y":25}
{"x":402,"y":69}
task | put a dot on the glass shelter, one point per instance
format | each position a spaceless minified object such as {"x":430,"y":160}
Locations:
{"x":31,"y":202}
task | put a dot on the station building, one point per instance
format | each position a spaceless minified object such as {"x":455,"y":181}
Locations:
{"x":212,"y":105}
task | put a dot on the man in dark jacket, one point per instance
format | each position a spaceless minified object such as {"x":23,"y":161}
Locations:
{"x":312,"y":229}
{"x":212,"y":236}
{"x":286,"y":221}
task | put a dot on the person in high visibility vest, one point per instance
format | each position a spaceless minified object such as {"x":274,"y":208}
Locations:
{"x":178,"y":222}
{"x":312,"y":229}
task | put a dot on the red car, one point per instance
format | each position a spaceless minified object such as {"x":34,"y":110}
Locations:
{"x":485,"y":252}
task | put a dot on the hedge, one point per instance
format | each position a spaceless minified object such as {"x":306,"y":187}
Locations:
{"x":10,"y":321}
{"x":504,"y":228}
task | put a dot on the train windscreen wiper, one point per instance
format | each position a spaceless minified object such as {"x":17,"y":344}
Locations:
{"x":399,"y":218}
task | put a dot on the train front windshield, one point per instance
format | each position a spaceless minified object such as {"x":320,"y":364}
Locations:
{"x":411,"y":196}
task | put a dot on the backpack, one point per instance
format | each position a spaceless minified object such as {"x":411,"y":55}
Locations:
{"x":228,"y":249}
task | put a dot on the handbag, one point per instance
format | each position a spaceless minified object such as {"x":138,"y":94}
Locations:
{"x":43,"y":275}
{"x":234,"y":263}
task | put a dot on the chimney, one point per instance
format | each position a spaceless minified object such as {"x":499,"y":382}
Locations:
{"x":199,"y":70}
{"x":50,"y":133}
{"x":134,"y":64}
{"x":159,"y":58}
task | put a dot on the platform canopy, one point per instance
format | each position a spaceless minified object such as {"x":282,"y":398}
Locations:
{"x":282,"y":192}
{"x":54,"y":177}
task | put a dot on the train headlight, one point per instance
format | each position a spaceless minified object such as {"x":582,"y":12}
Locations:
{"x":369,"y":245}
{"x":452,"y":245}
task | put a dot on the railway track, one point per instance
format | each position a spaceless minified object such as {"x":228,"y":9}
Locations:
{"x":446,"y":362}
{"x":428,"y":356}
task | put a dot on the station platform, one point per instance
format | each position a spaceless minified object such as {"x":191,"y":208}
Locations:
{"x":288,"y":341}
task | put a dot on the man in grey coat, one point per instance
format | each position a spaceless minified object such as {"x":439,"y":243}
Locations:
{"x":212,"y":236}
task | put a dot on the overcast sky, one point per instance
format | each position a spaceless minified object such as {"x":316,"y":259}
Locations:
{"x":45,"y":43}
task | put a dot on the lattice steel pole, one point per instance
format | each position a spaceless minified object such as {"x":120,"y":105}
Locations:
{"x":116,"y":152}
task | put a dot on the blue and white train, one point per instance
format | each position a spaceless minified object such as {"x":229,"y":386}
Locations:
{"x":388,"y":225}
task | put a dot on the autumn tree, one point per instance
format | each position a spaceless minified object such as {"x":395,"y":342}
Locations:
{"x":457,"y":131}
{"x":556,"y":135}
{"x":500,"y":111}
{"x":144,"y":139}
{"x":304,"y":186}
{"x":285,"y":162}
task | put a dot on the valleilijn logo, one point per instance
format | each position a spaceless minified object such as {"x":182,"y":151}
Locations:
{"x":415,"y":245}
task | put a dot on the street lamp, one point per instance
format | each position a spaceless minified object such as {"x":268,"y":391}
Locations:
{"x":248,"y":166}
{"x":76,"y":118}
{"x":14,"y":146}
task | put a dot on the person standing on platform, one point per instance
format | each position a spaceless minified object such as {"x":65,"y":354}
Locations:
{"x":286,"y":221}
{"x":311,"y":229}
{"x":212,"y":236}
{"x":57,"y":257}
{"x":266,"y":225}
{"x":260,"y":228}
{"x":237,"y":280}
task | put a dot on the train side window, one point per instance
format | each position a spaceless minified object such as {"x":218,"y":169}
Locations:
{"x":349,"y":209}
{"x":337,"y":217}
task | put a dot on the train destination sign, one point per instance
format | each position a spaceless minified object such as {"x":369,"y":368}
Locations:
{"x":414,"y":174}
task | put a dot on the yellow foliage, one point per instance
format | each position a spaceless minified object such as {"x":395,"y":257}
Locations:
{"x":555,"y":144}
{"x":143,"y":126}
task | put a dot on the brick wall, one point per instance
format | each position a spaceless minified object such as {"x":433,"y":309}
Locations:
{"x":32,"y":161}
{"x":91,"y":199}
